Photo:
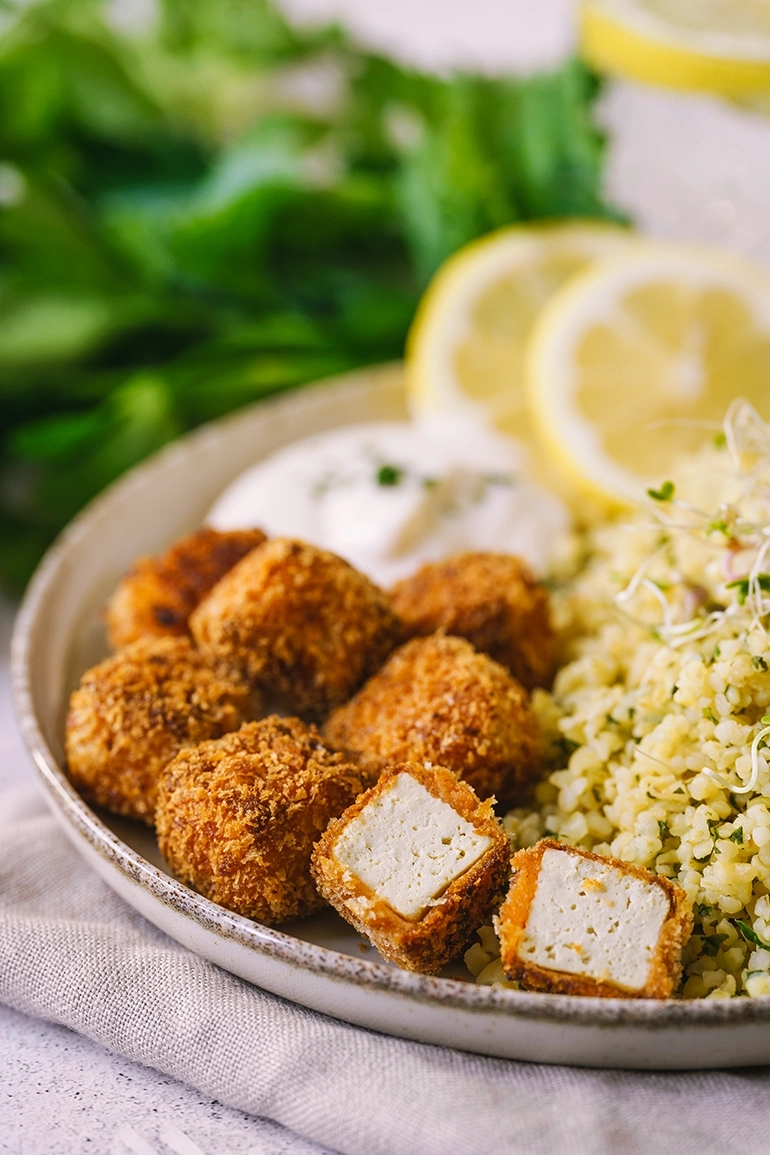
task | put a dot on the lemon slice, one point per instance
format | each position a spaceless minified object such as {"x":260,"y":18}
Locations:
{"x":466,"y":348}
{"x":634,"y":360}
{"x":718,"y":45}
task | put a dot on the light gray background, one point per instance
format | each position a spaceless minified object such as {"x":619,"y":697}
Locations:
{"x":686,"y":167}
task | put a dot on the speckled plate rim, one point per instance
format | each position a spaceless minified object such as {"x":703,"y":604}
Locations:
{"x":275,"y":944}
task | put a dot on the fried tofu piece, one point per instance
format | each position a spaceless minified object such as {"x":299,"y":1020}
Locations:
{"x":237,"y":817}
{"x":134,"y":711}
{"x":300,"y":623}
{"x":437,"y":700}
{"x":581,"y":924}
{"x":494,"y":601}
{"x":158,"y":594}
{"x":414,"y":864}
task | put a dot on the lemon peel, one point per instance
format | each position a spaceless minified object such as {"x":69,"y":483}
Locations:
{"x":721,"y":47}
{"x":633,"y":360}
{"x":466,"y":349}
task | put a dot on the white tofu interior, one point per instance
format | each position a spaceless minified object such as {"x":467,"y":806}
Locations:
{"x":593,"y":919}
{"x":408,"y":846}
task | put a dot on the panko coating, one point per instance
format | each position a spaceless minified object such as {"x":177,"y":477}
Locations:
{"x":414,"y":864}
{"x":494,"y":601}
{"x":437,"y":700}
{"x":237,"y":817}
{"x":158,"y":594}
{"x":300,"y":623}
{"x":137,"y":709}
{"x":578,"y":923}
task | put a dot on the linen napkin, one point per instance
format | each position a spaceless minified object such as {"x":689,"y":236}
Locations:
{"x":73,"y":953}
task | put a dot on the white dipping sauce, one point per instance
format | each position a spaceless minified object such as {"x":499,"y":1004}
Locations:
{"x":388,"y":496}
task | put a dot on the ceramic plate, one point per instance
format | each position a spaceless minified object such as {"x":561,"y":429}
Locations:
{"x":319,"y":962}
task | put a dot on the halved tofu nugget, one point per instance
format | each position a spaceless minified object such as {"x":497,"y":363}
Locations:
{"x":580,"y":924}
{"x":414,"y":864}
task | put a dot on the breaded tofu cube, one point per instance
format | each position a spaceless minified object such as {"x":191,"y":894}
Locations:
{"x":414,"y":864}
{"x":493,"y":600}
{"x":237,"y":818}
{"x":437,"y":700}
{"x":134,"y":711}
{"x":158,"y":594}
{"x":300,"y":623}
{"x":581,"y":924}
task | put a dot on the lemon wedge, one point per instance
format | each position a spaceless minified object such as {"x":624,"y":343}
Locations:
{"x":466,"y":349}
{"x":720,"y":46}
{"x":638,"y":358}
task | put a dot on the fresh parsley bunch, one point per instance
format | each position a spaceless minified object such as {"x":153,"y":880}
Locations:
{"x":221,"y":206}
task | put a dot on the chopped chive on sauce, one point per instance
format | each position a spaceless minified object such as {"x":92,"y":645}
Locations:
{"x":737,"y":836}
{"x":389,"y":475}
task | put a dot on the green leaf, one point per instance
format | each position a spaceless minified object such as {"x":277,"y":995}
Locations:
{"x":451,"y":187}
{"x":51,"y":248}
{"x":58,"y":436}
{"x":227,"y":206}
{"x":742,"y":586}
{"x":80,"y":454}
{"x":53,"y":328}
{"x":665,"y":493}
{"x":548,"y":139}
{"x":750,"y":934}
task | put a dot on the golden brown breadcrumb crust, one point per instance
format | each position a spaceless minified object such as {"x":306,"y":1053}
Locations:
{"x":425,"y":944}
{"x":299,"y":622}
{"x":666,"y":964}
{"x":135,"y":711}
{"x":237,"y":817}
{"x":494,"y":601}
{"x":158,"y":594}
{"x":437,"y":700}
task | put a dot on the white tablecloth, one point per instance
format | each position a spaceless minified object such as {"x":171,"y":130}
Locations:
{"x":684,"y":167}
